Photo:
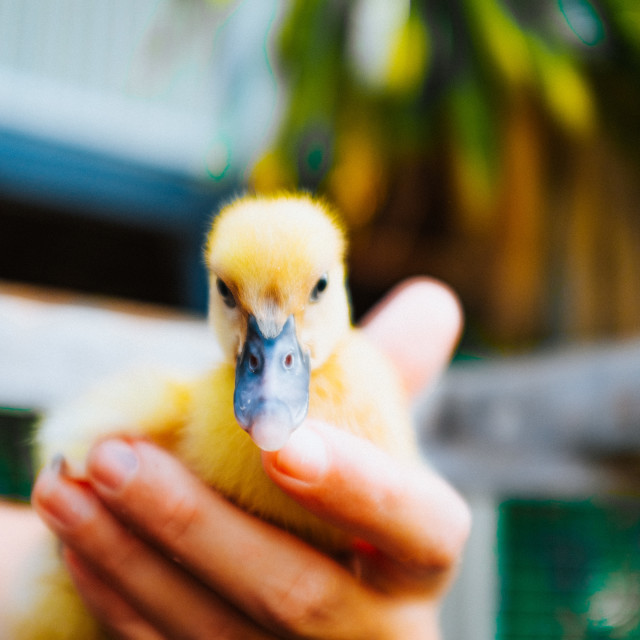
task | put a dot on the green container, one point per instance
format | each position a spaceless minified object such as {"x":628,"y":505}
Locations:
{"x":16,"y":465}
{"x":569,"y":570}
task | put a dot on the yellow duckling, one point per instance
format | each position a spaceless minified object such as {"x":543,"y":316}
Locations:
{"x":279,"y":308}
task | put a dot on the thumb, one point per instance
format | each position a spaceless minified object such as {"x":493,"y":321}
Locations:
{"x":407,"y":511}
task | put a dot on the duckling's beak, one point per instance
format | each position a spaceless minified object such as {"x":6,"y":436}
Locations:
{"x":271,"y":394}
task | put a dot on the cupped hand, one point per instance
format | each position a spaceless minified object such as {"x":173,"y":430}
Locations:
{"x":157,"y":554}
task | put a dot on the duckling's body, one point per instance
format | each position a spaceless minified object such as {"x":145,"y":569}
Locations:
{"x":279,"y":307}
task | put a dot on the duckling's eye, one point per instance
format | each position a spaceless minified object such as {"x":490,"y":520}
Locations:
{"x":225,"y":294}
{"x":320,"y":287}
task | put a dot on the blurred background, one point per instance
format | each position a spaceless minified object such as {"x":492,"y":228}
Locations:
{"x":493,"y":144}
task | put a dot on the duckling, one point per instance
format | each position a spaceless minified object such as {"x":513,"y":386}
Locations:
{"x":280,"y":310}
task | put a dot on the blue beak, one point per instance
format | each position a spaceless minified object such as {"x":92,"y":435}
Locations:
{"x":271,"y":396}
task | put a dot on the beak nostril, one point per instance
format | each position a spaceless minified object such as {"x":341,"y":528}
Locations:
{"x":288,"y":361}
{"x":254,"y":362}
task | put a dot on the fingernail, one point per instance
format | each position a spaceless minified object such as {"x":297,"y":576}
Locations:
{"x":60,"y":499}
{"x":112,"y":463}
{"x":304,"y":456}
{"x":58,"y":465}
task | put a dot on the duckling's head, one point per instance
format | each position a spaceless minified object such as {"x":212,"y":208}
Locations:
{"x":278,"y":304}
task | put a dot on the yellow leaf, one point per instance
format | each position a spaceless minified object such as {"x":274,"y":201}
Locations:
{"x":271,"y":173}
{"x":409,"y":57}
{"x":567,"y":93}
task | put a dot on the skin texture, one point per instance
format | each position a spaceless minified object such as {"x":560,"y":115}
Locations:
{"x":157,"y":554}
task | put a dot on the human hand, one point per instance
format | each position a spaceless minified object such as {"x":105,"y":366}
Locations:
{"x":157,"y":554}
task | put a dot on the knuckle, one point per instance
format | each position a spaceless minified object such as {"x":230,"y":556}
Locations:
{"x":122,"y":553}
{"x":447,"y":554}
{"x":176,"y":517}
{"x":464,"y":523}
{"x":307,"y":606}
{"x":460,"y":529}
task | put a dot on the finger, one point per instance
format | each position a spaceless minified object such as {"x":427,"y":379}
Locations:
{"x":418,"y":325}
{"x":410,"y":513}
{"x":160,"y":590}
{"x":274,"y":577}
{"x":106,"y":603}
